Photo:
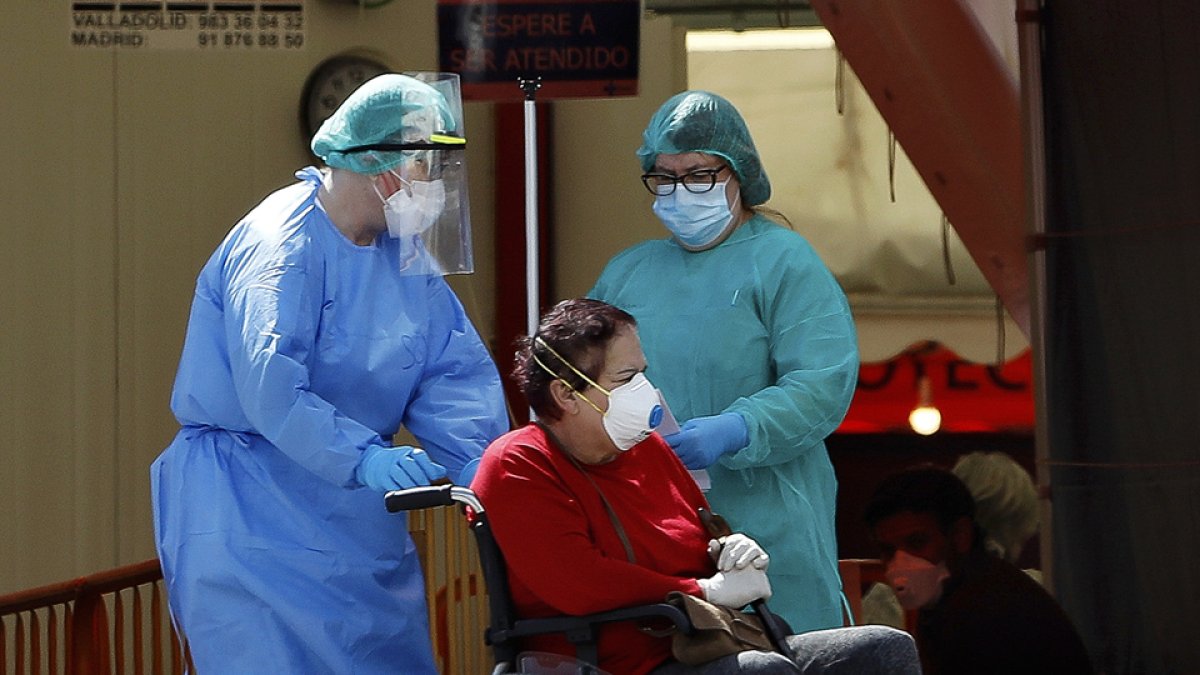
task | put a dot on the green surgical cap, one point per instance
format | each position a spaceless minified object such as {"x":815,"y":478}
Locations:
{"x":381,"y":111}
{"x":700,"y":121}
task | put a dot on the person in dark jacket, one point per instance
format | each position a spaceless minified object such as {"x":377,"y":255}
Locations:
{"x":977,"y":614}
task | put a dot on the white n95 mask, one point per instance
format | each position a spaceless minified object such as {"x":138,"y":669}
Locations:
{"x":918,"y":583}
{"x":412,"y":214}
{"x":696,"y":220}
{"x":633,"y":412}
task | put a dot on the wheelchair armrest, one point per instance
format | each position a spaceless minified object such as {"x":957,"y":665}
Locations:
{"x":660,"y":610}
{"x":583,"y":628}
{"x":581,"y":631}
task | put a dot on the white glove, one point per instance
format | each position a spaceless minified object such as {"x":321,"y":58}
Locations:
{"x":737,"y":551}
{"x":736,"y":588}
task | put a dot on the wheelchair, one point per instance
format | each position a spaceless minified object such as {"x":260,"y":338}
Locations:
{"x":506,"y":629}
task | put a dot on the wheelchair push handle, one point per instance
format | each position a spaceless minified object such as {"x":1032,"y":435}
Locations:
{"x":428,"y":496}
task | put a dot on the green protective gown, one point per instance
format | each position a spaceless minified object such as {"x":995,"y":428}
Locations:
{"x":759,"y":326}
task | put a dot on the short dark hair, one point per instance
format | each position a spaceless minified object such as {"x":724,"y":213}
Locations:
{"x":579,"y":330}
{"x":921,"y":489}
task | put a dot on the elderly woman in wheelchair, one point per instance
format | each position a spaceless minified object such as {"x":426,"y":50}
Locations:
{"x":593,"y":512}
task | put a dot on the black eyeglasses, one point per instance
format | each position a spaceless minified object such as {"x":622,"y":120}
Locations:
{"x":696,"y":182}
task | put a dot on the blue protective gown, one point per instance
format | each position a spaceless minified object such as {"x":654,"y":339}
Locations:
{"x":303,"y":348}
{"x":756,"y":325}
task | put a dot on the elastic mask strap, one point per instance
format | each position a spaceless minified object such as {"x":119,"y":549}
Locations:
{"x":403,"y":184}
{"x":408,"y":183}
{"x":567,"y":363}
{"x":377,"y":192}
{"x":556,"y":377}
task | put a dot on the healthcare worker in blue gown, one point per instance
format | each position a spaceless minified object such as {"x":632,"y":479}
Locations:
{"x":319,"y":327}
{"x":749,"y":338}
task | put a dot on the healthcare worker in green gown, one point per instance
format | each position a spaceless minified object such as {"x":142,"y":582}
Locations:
{"x":750,"y":340}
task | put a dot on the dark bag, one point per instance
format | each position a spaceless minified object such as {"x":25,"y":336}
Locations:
{"x":717,"y":631}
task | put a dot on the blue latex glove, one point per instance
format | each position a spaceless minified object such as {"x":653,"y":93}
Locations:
{"x":702,"y":440}
{"x":396,"y":468}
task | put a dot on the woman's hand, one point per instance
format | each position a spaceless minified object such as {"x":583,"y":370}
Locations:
{"x":736,"y":588}
{"x":737,"y":551}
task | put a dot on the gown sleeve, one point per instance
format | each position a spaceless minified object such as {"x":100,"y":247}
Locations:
{"x":814,"y":352}
{"x":459,"y":405}
{"x":272,"y":308}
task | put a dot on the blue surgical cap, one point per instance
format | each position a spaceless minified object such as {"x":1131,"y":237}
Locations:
{"x":381,"y":111}
{"x":700,"y":121}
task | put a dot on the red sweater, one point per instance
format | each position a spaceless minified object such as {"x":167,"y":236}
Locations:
{"x":563,"y":553}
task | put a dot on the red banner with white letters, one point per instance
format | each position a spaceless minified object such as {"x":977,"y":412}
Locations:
{"x":972,"y":397}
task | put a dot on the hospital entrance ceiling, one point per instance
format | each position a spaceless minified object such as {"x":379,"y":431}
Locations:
{"x":854,"y":195}
{"x":736,"y":14}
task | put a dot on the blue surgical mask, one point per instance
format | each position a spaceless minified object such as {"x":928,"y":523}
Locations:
{"x":696,"y":220}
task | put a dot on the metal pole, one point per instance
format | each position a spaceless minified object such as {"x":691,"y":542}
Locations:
{"x":1029,"y":39}
{"x":532,"y":266}
{"x":530,"y":87}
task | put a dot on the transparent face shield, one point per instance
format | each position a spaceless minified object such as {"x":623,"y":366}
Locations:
{"x":428,"y":216}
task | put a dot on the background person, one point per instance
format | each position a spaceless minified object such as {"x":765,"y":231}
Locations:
{"x":1006,"y":512}
{"x":1006,"y":503}
{"x":751,"y":340}
{"x":594,"y":512}
{"x":318,"y":328}
{"x":977,"y":613}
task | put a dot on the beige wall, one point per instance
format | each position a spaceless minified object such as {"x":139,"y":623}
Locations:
{"x":122,"y":172}
{"x":600,"y":205}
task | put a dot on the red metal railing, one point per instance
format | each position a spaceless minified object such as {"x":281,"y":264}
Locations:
{"x":94,"y":625}
{"x":116,"y":622}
